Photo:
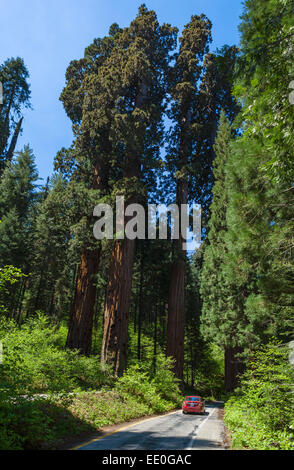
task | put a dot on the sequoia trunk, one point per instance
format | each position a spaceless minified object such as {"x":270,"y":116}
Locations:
{"x":82,"y":312}
{"x":116,"y":315}
{"x":176,"y":298}
{"x":176,"y":312}
{"x":82,"y":309}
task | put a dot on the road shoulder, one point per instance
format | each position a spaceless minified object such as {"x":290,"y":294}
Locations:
{"x":211,"y":433}
{"x":73,"y":443}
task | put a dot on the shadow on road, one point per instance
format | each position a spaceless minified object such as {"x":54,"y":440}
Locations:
{"x":147,"y":440}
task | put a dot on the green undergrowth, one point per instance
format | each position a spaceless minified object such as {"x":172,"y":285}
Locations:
{"x":260,"y":415}
{"x":49,"y":394}
{"x":48,"y":422}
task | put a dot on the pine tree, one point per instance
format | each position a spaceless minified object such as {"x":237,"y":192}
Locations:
{"x":250,"y":296}
{"x":211,"y":286}
{"x":16,"y":93}
{"x":269,"y":114}
{"x":51,"y":270}
{"x":18,"y":197}
{"x":216,"y":290}
{"x":261,"y":169}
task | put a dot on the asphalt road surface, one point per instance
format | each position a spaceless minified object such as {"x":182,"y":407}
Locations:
{"x":174,"y":431}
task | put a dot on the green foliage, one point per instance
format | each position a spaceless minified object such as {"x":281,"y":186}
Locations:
{"x":209,"y":373}
{"x":156,"y":372}
{"x":108,"y":407}
{"x":37,"y":423}
{"x":16,"y":90}
{"x":164,"y":380}
{"x":264,"y":73}
{"x":9,"y":275}
{"x":247,"y":277}
{"x":37,"y":374}
{"x":17,"y":200}
{"x":260,"y":413}
{"x":33,"y":361}
{"x":156,"y":368}
{"x":214,"y":289}
{"x":51,"y":267}
{"x":134,"y":382}
{"x":152,"y":391}
{"x":132,"y":397}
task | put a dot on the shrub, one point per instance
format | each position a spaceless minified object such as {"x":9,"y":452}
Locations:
{"x":164,"y":380}
{"x":160,"y":392}
{"x":37,"y":373}
{"x":135,"y":383}
{"x":28,"y":423}
{"x":260,"y":413}
{"x":34,"y":363}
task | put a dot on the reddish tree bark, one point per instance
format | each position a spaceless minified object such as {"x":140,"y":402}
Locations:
{"x":118,"y":293}
{"x":176,"y":299}
{"x":116,"y":312}
{"x":82,"y":312}
{"x":116,"y":315}
{"x":83,"y":305}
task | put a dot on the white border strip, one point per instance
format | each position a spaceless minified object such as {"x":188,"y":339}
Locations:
{"x":190,"y":446}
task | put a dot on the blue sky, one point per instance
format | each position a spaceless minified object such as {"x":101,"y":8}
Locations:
{"x":48,"y":34}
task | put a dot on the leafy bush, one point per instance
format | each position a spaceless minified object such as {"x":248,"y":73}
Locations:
{"x":37,"y":373}
{"x":33,"y":361}
{"x":37,"y":422}
{"x":8,"y":276}
{"x":260,"y":413}
{"x":136,"y":383}
{"x":164,"y":380}
{"x":108,"y":407}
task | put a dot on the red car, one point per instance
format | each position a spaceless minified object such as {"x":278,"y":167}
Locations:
{"x":193,"y":404}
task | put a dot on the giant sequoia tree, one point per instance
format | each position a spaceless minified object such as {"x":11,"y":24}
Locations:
{"x":89,"y":98}
{"x":142,"y":57}
{"x":200,"y":84}
{"x":185,"y":77}
{"x":114,"y":96}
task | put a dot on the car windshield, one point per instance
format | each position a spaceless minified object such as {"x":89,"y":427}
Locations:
{"x":192,"y":398}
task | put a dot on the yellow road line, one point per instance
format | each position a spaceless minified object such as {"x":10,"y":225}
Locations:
{"x":120,"y":429}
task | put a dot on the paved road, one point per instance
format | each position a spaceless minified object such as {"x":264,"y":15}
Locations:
{"x":174,"y":431}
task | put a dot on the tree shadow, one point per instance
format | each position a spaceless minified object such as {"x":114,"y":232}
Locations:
{"x":39,"y":424}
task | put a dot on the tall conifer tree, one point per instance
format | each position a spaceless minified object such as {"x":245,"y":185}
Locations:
{"x":89,"y":98}
{"x":16,"y":96}
{"x":200,"y":84}
{"x":143,"y":55}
